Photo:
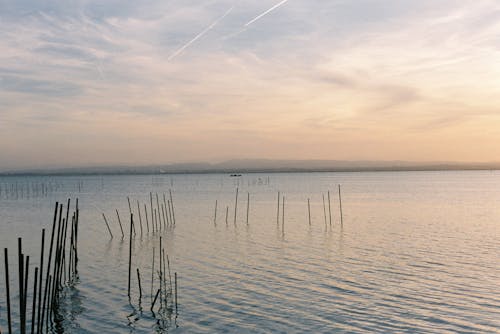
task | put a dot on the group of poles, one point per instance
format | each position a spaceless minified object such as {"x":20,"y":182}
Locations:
{"x":235,"y":209}
{"x":281,"y":205}
{"x":61,"y":270}
{"x":166,"y":293}
{"x":161,"y":215}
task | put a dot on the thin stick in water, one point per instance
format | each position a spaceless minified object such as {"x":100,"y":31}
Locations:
{"x":329,"y":209}
{"x":248,"y":205}
{"x":140,"y":217}
{"x":340,"y":204}
{"x":7,"y":288}
{"x":139,"y":281}
{"x":33,"y":309}
{"x":120,"y":222}
{"x":215,"y":214}
{"x":278,"y":211}
{"x":235,"y":205}
{"x":106,"y":221}
{"x":309,"y":210}
{"x":130,"y":253}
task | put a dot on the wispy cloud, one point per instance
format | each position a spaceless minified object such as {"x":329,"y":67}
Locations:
{"x":207,"y":29}
{"x":265,"y":13}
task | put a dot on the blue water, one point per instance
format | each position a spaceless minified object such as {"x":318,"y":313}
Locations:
{"x":417,"y":251}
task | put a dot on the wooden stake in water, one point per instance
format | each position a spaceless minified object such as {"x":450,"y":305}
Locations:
{"x":227,"y":211}
{"x":283,"y":216}
{"x":7,"y":288}
{"x":106,"y":221}
{"x":33,"y":309}
{"x":248,"y":205}
{"x":175,"y":278}
{"x":152,"y":274}
{"x":140,"y":217}
{"x":340,"y":204}
{"x":215,"y":214}
{"x":42,"y":251}
{"x":235,"y":206}
{"x":139,"y":281}
{"x":324,"y":209}
{"x":130,"y":253}
{"x":20,"y":257}
{"x":48,"y":278}
{"x":172,"y":204}
{"x":278,"y":211}
{"x":309,"y":210}
{"x":146,"y":215}
{"x":120,"y":222}
{"x":329,"y":209}
{"x":152,"y":217}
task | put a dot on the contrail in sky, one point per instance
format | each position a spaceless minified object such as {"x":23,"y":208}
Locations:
{"x":207,"y":29}
{"x":266,"y":12}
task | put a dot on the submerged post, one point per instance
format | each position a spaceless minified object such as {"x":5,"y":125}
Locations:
{"x":235,"y":205}
{"x":329,"y":208}
{"x":139,"y":280}
{"x":278,"y":211}
{"x":106,"y":221}
{"x":175,"y":279}
{"x":120,"y":222}
{"x":215,"y":214}
{"x":283,"y":216}
{"x":309,"y":210}
{"x":7,"y":288}
{"x":130,"y":253}
{"x":248,"y":205}
{"x":340,"y":204}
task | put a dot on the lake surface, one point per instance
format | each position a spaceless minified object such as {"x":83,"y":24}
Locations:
{"x":417,"y":251}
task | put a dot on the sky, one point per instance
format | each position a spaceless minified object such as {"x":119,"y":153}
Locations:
{"x":98,"y":82}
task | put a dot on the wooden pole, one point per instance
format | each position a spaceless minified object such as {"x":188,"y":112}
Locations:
{"x":146,"y":215}
{"x":309,"y":210}
{"x":227,"y":211}
{"x":278,"y":211}
{"x":25,"y":292}
{"x":152,"y":273}
{"x":215,"y":214}
{"x":283,"y":216}
{"x":42,"y":251}
{"x":152,"y":213}
{"x":21,"y":283}
{"x":175,"y":278}
{"x":248,"y":205}
{"x":139,"y":280}
{"x":7,"y":288}
{"x":236,"y":205}
{"x":33,"y":309}
{"x":329,"y":209}
{"x":120,"y":222}
{"x":340,"y":204}
{"x":106,"y":221}
{"x":324,"y":209}
{"x":172,"y":204}
{"x":130,"y":253}
{"x":48,"y":276}
{"x":140,"y":217}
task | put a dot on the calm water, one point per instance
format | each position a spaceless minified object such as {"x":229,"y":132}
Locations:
{"x":417,"y":252}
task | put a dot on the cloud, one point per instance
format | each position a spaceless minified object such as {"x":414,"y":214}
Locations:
{"x":368,"y":69}
{"x":45,"y":88}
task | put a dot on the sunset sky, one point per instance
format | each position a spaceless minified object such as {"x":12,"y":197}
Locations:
{"x":151,"y":81}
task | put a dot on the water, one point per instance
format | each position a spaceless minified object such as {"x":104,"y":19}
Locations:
{"x":418,"y":251}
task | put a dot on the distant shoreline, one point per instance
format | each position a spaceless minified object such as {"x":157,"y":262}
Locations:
{"x":139,"y":171}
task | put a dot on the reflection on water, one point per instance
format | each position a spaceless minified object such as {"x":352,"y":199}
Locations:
{"x":417,"y":251}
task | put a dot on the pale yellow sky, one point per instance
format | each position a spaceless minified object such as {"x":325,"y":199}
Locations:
{"x":155,"y":83}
